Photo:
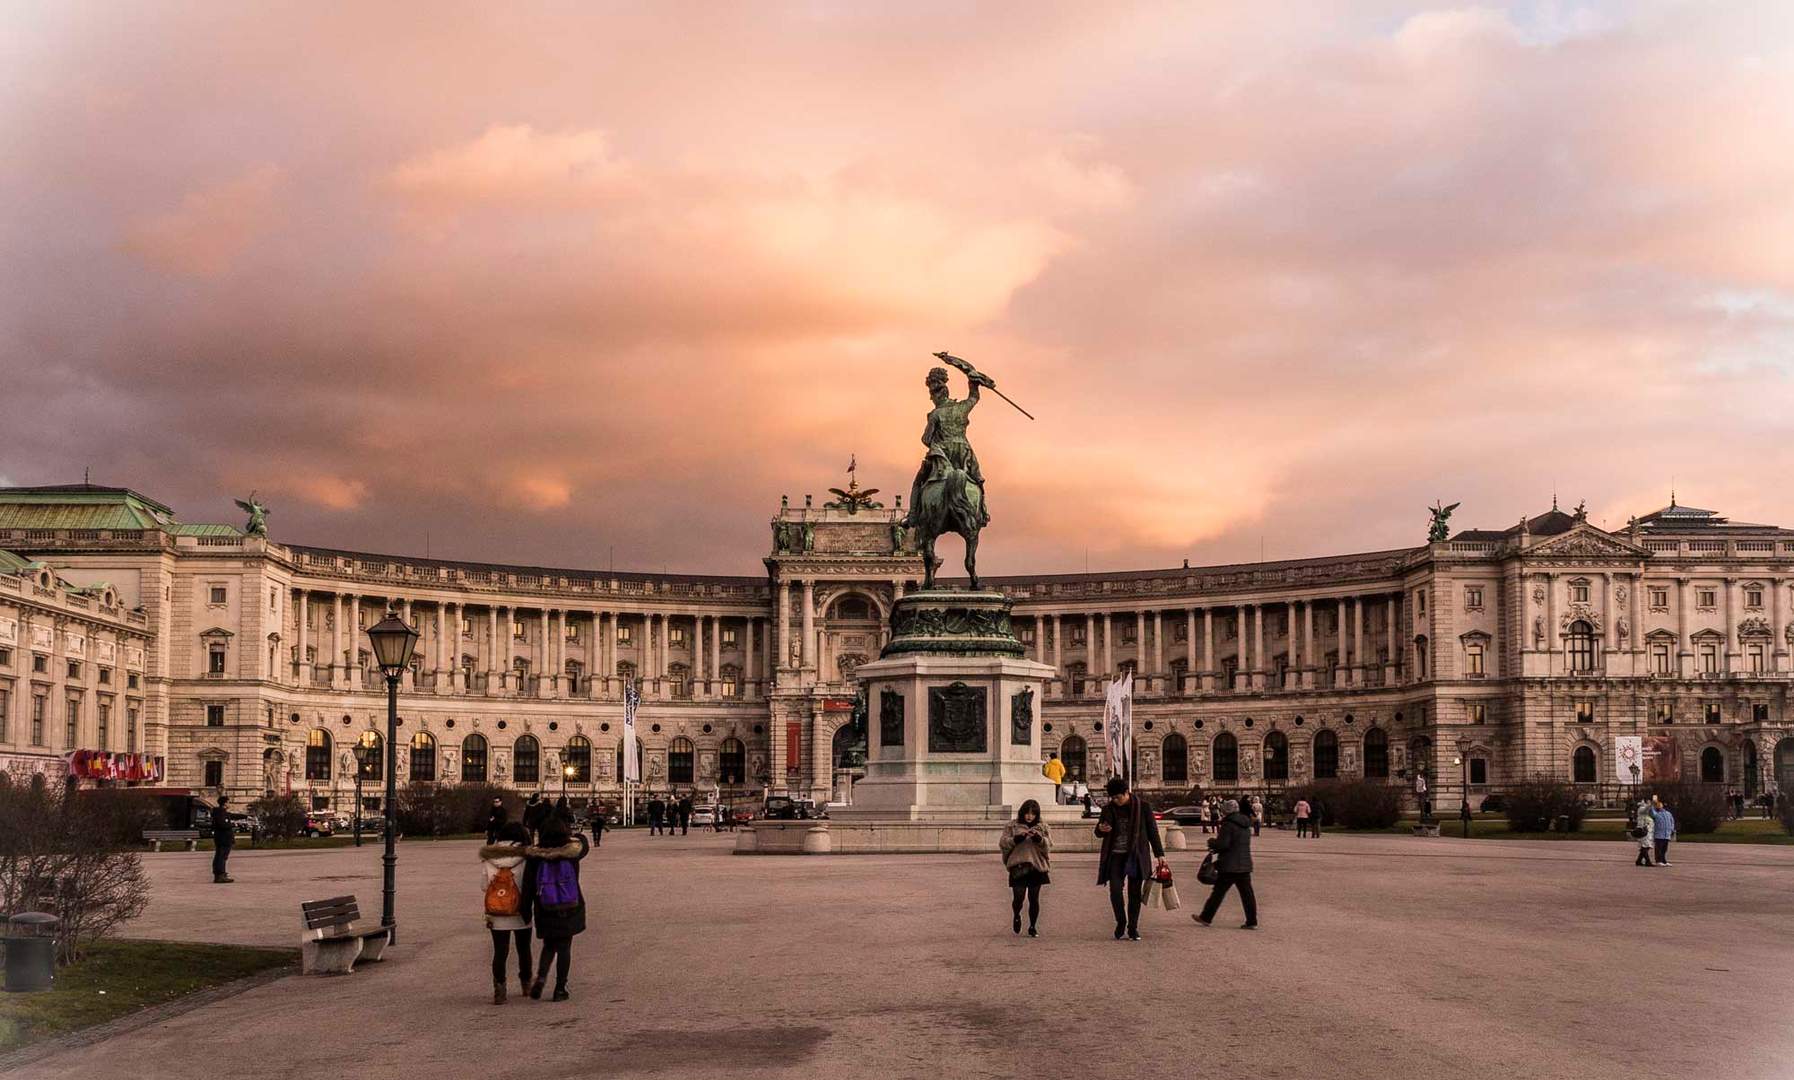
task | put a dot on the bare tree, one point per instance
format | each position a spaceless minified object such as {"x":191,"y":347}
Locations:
{"x":65,"y":852}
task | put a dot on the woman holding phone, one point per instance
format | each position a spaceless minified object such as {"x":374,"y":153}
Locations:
{"x":1026,"y":844}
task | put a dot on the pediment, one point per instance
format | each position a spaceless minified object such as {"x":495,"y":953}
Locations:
{"x":216,"y":632}
{"x":1587,"y":541}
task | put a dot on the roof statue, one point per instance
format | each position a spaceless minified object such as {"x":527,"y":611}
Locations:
{"x":258,"y":515}
{"x":853,"y":500}
{"x":1438,"y":531}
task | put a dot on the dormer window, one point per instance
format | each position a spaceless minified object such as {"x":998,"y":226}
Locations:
{"x":1579,"y":591}
{"x":1753,"y":596}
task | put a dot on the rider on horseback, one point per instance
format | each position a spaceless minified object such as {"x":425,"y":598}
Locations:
{"x":945,"y":436}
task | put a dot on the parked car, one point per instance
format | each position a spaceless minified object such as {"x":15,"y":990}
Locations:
{"x":741,"y":815}
{"x":1494,"y":803}
{"x":703,"y":815}
{"x":1182,"y":815}
{"x":780,"y":808}
{"x":320,"y":823}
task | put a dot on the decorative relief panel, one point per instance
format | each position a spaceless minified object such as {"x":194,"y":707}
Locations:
{"x":1021,"y":717}
{"x":75,"y":645}
{"x":957,"y":720}
{"x":42,"y":638}
{"x":9,"y":631}
{"x":890,"y":718}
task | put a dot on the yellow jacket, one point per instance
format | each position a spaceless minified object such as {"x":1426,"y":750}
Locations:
{"x":1054,"y":769}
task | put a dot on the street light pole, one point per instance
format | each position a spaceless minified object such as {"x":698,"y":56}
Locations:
{"x":361,"y":760}
{"x":392,"y":641}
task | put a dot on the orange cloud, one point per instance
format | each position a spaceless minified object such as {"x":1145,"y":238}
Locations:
{"x":211,"y":227}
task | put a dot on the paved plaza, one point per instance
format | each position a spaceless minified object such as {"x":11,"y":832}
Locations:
{"x":1380,"y":956}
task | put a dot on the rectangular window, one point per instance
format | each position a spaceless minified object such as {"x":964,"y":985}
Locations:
{"x":40,"y":708}
{"x":131,"y":728}
{"x":676,"y":635}
{"x":1180,"y":631}
{"x":1473,"y":596}
{"x":1753,"y":598}
{"x":5,"y":714}
{"x":71,"y":725}
{"x":1665,"y":713}
{"x":1579,"y":594}
{"x":1420,"y":602}
{"x":1660,"y":659}
{"x":1479,"y":713}
{"x":1659,"y":598}
{"x":1473,"y":660}
{"x":1709,"y":659}
{"x":1759,"y":712}
{"x":40,"y":663}
{"x":215,"y":660}
{"x":1755,"y":653}
{"x":218,"y":594}
{"x":1705,"y":598}
{"x":5,"y":658}
{"x":1127,"y":633}
{"x":517,"y":629}
{"x":214,"y":716}
{"x":1711,"y":712}
{"x":103,"y":728}
{"x":131,"y":682}
{"x":214,"y":774}
{"x":730,"y":687}
{"x":1585,"y":712}
{"x":74,"y":669}
{"x":466,"y":626}
{"x":625,"y":633}
{"x":730,"y":637}
{"x":1027,"y":635}
{"x":1479,"y":771}
{"x":1077,"y":634}
{"x":572,"y":631}
{"x":105,"y":676}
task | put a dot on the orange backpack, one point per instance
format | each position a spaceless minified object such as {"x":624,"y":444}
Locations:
{"x":502,"y":895}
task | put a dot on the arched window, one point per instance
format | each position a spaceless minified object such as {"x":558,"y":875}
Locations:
{"x":578,"y":766}
{"x":1582,"y":646}
{"x":423,"y":758}
{"x":1326,"y":755}
{"x":1227,"y":759}
{"x":1712,"y":766}
{"x":679,"y":761}
{"x":852,"y":608}
{"x":473,"y":759}
{"x":680,"y":675}
{"x":1376,"y":754}
{"x":1582,"y":765}
{"x":528,"y":754}
{"x":849,"y":748}
{"x":733,"y":762}
{"x":1071,"y":752}
{"x":317,"y":755}
{"x":1276,"y":756}
{"x":1176,"y":757}
{"x":373,"y":766}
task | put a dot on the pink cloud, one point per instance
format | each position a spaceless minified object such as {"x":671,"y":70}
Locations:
{"x":210,"y":228}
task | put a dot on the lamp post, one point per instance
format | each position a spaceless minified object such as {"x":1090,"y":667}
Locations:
{"x":361,"y":759}
{"x":1464,"y":782}
{"x":392,"y":641}
{"x":566,"y":775}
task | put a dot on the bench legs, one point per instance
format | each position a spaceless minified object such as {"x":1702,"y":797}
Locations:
{"x":332,"y":956}
{"x":373,"y":948}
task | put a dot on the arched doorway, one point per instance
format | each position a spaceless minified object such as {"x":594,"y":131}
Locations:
{"x":577,"y":768}
{"x":1582,"y":765}
{"x":1176,"y":755}
{"x":526,"y":760}
{"x":1227,"y":759}
{"x":732,"y":761}
{"x":423,"y":758}
{"x":1712,"y":766}
{"x":1326,"y":755}
{"x":680,"y":757}
{"x":1751,"y":784}
{"x":317,"y":755}
{"x":1376,"y":754}
{"x":1071,"y":752}
{"x":473,"y":759}
{"x":848,"y":749}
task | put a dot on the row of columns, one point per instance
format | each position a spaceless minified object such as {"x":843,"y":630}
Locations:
{"x":1252,"y":672}
{"x":443,"y":631}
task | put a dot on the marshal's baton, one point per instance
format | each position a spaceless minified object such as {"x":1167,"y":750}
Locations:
{"x":969,"y":371}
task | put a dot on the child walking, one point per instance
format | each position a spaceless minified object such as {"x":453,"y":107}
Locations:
{"x":1026,"y":844}
{"x":507,"y":917}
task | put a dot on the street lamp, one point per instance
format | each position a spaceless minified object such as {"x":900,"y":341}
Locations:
{"x":361,"y":760}
{"x":566,"y":775}
{"x":393,"y":642}
{"x":1464,"y":782}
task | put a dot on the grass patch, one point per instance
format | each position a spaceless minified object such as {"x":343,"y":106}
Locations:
{"x":119,"y":977}
{"x":1494,"y":827}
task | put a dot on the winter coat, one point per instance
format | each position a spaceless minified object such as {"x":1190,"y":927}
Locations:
{"x":1643,"y":820}
{"x":1663,"y":825}
{"x":496,"y":857}
{"x":1131,"y":828}
{"x":1030,"y":852}
{"x":224,"y":834}
{"x":555,"y":924}
{"x":1233,"y":846}
{"x":534,"y":814}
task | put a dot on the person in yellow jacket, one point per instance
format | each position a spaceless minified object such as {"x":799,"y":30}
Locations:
{"x":1055,"y":771}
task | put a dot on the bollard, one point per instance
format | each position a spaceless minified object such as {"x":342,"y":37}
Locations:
{"x":31,"y":952}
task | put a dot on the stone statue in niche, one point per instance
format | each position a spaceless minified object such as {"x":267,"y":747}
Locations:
{"x":890,"y":718}
{"x":1538,"y":631}
{"x":1021,"y":717}
{"x":1622,"y":628}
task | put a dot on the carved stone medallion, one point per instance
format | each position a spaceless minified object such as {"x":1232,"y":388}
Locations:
{"x":1021,"y":717}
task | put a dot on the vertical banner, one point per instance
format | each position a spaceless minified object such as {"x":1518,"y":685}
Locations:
{"x":632,"y":768}
{"x":794,"y":748}
{"x":1662,"y":759}
{"x":1118,"y":725}
{"x":1628,"y":759}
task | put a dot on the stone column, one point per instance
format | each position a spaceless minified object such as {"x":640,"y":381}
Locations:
{"x":302,"y":609}
{"x":1311,"y":663}
{"x":749,"y":631}
{"x":1208,"y":648}
{"x":495,"y":667}
{"x":1258,"y":646}
{"x":1158,"y":646}
{"x":1108,"y":647}
{"x":1684,"y":649}
{"x":1389,"y":639}
{"x":1191,"y":679}
{"x":1359,"y":667}
{"x":1293,"y":677}
{"x":1090,"y":653}
{"x":809,"y":644}
{"x":716,"y":654}
{"x":439,"y":660}
{"x":1059,"y":651}
{"x":1778,"y":647}
{"x":1553,"y":643}
{"x":338,"y":674}
{"x":1730,"y":585}
{"x":1343,"y":672}
{"x":780,"y":654}
{"x":352,"y":610}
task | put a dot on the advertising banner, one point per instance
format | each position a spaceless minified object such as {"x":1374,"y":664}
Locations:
{"x":1662,"y":759}
{"x":1628,"y":759}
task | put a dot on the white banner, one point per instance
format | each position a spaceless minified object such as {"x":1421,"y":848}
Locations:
{"x":632,"y":769}
{"x":1118,"y":725}
{"x":1628,"y":758}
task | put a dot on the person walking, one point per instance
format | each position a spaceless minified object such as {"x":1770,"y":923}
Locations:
{"x":502,"y":871}
{"x":1026,"y":845}
{"x":1233,"y":866}
{"x":1464,"y":815}
{"x":1130,"y":844}
{"x":1084,"y":797}
{"x":1054,"y":769}
{"x":535,"y":808}
{"x":685,"y":814}
{"x":558,"y":908}
{"x":1316,"y":814}
{"x":1258,"y":814}
{"x":656,"y":813}
{"x":1301,"y":818}
{"x":495,"y":819}
{"x":598,"y":825}
{"x":224,"y":837}
{"x":1642,"y":826}
{"x":1663,"y":829}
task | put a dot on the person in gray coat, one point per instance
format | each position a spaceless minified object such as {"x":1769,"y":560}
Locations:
{"x":1233,"y":866}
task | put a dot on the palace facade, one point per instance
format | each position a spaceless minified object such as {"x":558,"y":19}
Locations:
{"x":135,"y":648}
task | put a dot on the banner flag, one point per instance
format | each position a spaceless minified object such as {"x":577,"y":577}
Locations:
{"x":1118,"y":725}
{"x":632,"y":768}
{"x":1628,"y":759}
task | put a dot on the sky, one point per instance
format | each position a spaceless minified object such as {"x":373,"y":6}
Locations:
{"x":593,"y":285}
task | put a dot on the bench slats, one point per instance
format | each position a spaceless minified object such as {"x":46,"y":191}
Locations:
{"x":337,"y":911}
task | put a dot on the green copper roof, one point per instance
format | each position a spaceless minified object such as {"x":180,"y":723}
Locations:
{"x":80,"y":506}
{"x":205,"y":530}
{"x":12,"y":564}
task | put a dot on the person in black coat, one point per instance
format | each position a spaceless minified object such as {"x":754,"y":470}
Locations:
{"x":1130,"y":844}
{"x":535,"y":808}
{"x":496,"y":819}
{"x":555,"y":925}
{"x":684,"y":815}
{"x":1233,"y":866}
{"x":224,"y":837}
{"x":657,"y":812}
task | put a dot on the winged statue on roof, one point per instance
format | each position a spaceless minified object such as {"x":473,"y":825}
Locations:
{"x":258,"y":515}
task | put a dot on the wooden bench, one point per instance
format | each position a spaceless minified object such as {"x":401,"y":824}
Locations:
{"x":158,"y":837}
{"x":332,"y":942}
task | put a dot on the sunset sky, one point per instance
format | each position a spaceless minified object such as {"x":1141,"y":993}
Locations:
{"x":546,"y":283}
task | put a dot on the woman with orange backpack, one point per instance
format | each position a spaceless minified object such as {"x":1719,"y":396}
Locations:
{"x":507,"y":916}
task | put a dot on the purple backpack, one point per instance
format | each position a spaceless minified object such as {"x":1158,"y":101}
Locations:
{"x":557,"y":885}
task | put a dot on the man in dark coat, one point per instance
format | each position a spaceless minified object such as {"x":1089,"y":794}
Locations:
{"x":657,"y":811}
{"x":224,"y":837}
{"x":495,"y":820}
{"x":1130,"y":844}
{"x":534,"y":810}
{"x":1233,"y":866}
{"x":684,"y":815}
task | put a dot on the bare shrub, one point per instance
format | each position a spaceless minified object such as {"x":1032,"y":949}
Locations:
{"x":62,"y":852}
